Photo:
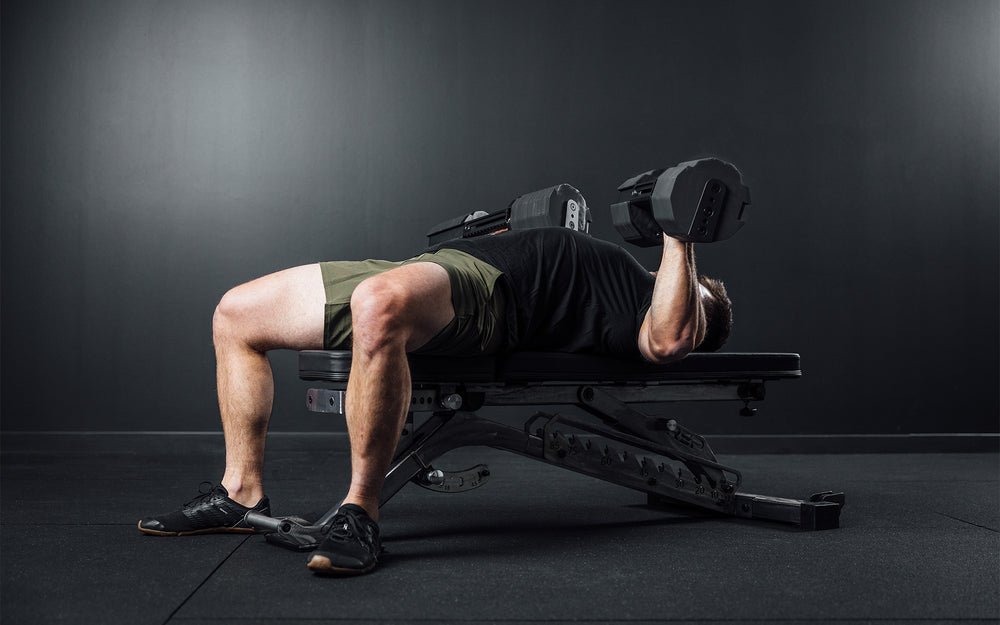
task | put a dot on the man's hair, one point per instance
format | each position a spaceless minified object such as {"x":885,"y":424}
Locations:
{"x":718,"y":316}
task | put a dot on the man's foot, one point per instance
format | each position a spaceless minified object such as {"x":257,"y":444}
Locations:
{"x":351,"y":547}
{"x":210,"y":512}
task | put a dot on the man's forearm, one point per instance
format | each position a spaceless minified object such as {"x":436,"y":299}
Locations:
{"x":675,"y":322}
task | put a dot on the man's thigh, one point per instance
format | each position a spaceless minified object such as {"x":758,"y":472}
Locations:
{"x":425,"y":287}
{"x":475,"y":314}
{"x":478,"y":325}
{"x":340,"y":279}
{"x":282,"y":310}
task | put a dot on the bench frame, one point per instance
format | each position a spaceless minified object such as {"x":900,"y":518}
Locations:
{"x":619,"y":444}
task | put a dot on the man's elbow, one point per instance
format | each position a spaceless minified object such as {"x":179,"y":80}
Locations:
{"x":661,"y":352}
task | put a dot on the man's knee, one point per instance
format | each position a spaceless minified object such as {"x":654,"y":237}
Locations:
{"x":381,"y":309}
{"x":230,"y":313}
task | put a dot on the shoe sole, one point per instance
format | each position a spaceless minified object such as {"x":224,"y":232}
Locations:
{"x":211,"y":530}
{"x":323,"y":566}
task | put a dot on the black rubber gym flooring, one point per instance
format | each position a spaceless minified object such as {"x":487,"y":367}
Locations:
{"x":918,"y":543}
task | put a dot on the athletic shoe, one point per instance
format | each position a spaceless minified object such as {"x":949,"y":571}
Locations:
{"x":352,"y":545}
{"x":210,"y":512}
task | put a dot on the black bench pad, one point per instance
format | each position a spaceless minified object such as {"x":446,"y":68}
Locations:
{"x":536,"y":367}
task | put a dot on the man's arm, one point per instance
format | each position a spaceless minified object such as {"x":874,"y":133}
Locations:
{"x":675,"y":322}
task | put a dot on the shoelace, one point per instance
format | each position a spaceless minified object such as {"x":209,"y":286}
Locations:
{"x":205,"y":494}
{"x":348,"y":526}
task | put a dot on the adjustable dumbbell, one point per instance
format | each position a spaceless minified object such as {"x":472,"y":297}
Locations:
{"x":561,"y":205}
{"x":697,"y":201}
{"x":558,"y":206}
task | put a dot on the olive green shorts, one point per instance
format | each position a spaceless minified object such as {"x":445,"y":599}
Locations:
{"x":478,"y":327}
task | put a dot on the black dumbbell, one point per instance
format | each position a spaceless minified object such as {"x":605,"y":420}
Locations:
{"x":698,"y":201}
{"x":561,"y":205}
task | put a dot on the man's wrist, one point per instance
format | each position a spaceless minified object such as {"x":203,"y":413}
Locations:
{"x":669,"y":241}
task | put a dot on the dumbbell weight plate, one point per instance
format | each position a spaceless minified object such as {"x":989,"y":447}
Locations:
{"x":700,"y":201}
{"x":561,"y":205}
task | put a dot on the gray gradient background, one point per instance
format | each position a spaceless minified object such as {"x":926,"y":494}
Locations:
{"x":157,"y":153}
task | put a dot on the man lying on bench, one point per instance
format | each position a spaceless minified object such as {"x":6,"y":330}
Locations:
{"x":539,"y":289}
{"x":548,"y":289}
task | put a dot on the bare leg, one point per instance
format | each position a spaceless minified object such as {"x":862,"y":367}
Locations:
{"x":393,"y":313}
{"x":283,"y":310}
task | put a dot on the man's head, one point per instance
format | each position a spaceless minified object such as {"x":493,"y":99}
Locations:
{"x":718,"y":314}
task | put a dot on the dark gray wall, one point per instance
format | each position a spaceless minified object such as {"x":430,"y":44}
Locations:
{"x":157,"y":153}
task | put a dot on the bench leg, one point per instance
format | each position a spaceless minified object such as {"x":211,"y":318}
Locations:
{"x":677,"y":466}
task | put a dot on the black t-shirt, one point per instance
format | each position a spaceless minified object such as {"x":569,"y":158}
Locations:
{"x":566,"y":291}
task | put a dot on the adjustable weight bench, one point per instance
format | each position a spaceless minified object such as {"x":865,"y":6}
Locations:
{"x":649,"y":453}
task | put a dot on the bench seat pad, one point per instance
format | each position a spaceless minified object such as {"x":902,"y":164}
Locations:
{"x":539,"y":367}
